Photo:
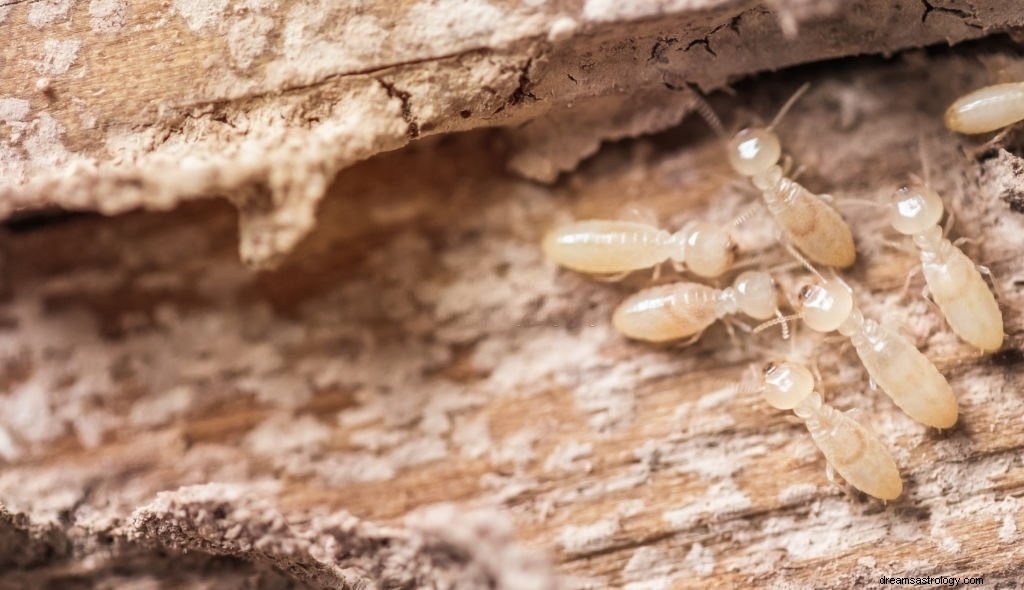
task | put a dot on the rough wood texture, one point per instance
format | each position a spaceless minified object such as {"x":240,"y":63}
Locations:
{"x":111,"y":105}
{"x":415,"y":398}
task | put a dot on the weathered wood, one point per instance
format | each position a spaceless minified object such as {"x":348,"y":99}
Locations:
{"x":416,"y":349}
{"x":415,"y":398}
{"x":112,"y":105}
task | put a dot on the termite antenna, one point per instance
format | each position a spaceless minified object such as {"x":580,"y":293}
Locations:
{"x":784,"y":266}
{"x":924,"y":161}
{"x":781,"y":319}
{"x":803,"y":261}
{"x":748,"y":212}
{"x":789,"y":104}
{"x":785,"y":324}
{"x":836,"y":277}
{"x":708,"y":114}
{"x":792,"y":345}
{"x":864,"y":202}
{"x":755,"y":261}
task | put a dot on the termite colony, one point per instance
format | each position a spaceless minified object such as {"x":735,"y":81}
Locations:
{"x":814,"y":234}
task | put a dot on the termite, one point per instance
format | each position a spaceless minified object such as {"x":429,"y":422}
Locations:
{"x":893,"y":363}
{"x":807,"y":220}
{"x":684,"y":310}
{"x":616,"y":248}
{"x":953,"y":279}
{"x":987,"y":109}
{"x":850,"y":448}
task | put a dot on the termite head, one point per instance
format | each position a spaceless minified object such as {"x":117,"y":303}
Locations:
{"x":709,"y":249}
{"x":825,"y":305}
{"x":756,"y":295}
{"x":785,"y":384}
{"x":915,"y":208}
{"x":754,"y":150}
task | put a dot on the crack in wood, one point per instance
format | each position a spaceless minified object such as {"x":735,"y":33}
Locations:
{"x":522,"y":91}
{"x":661,"y":45}
{"x":963,"y":15}
{"x":17,"y":2}
{"x":413,"y":127}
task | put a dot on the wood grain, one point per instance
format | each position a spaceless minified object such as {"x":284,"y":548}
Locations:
{"x":416,"y":349}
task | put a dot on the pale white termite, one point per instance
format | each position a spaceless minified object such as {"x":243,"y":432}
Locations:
{"x":850,"y":448}
{"x":953,"y":279}
{"x":987,"y":109}
{"x":685,"y":310}
{"x":893,"y":363}
{"x":807,"y":220}
{"x":610,"y":247}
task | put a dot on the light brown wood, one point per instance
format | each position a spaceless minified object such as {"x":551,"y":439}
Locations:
{"x":168,"y":413}
{"x":112,"y":105}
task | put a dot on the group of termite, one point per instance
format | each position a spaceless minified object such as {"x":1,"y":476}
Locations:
{"x":815,"y":234}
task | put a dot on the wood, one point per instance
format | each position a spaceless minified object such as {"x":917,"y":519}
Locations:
{"x":113,"y":105}
{"x":416,"y":398}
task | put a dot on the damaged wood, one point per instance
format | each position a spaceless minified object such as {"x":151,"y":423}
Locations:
{"x":288,"y":93}
{"x":414,"y":397}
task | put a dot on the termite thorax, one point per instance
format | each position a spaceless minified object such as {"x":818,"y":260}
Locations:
{"x":728,"y":302}
{"x":853,"y":324}
{"x":809,"y":406}
{"x":768,"y":179}
{"x":931,"y":243}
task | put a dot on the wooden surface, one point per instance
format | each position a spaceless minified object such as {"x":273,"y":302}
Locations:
{"x":112,"y":105}
{"x":416,"y":349}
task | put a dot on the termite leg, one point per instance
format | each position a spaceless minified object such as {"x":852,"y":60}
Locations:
{"x":906,"y":283}
{"x":743,"y":326}
{"x":642,"y":214}
{"x":787,"y":164}
{"x":833,"y":338}
{"x":687,"y":342}
{"x":987,"y":272}
{"x":791,"y":419}
{"x":656,"y":273}
{"x":926,"y":294}
{"x":816,"y":371}
{"x":992,"y":143}
{"x":614,"y":278}
{"x":678,"y":266}
{"x":798,"y":172}
{"x":950,"y":220}
{"x":837,"y":480}
{"x":827,"y":198}
{"x":692,"y":339}
{"x":965,"y":240}
{"x":731,"y":331}
{"x":901,"y":247}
